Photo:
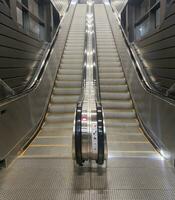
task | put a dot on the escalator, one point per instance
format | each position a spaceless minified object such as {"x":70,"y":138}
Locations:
{"x":134,"y":169}
{"x":120,"y":116}
{"x":54,"y":138}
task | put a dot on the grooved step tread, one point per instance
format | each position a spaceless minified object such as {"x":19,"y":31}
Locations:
{"x":119,"y":81}
{"x":69,"y":84}
{"x":62,"y":108}
{"x":114,"y":88}
{"x":122,"y":122}
{"x":116,"y":113}
{"x":64,"y":99}
{"x":66,"y":91}
{"x":117,"y":104}
{"x":61,"y":117}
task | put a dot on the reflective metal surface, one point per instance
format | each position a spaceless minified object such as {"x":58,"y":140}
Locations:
{"x":89,"y":124}
{"x":129,"y":175}
{"x":54,"y":138}
{"x":155,"y":113}
{"x":20,"y":117}
{"x":89,"y":137}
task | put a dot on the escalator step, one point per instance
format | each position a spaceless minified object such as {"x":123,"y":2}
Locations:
{"x":68,"y":77}
{"x":117,"y":104}
{"x":119,"y":81}
{"x":65,"y":91}
{"x":115,"y":96}
{"x":70,"y":72}
{"x":112,"y":75}
{"x":123,"y":130}
{"x":55,"y":131}
{"x":70,"y":61}
{"x":110,"y":69}
{"x":69,"y":84}
{"x":115,"y":88}
{"x":107,"y":64}
{"x":122,"y":123}
{"x":64,"y":99}
{"x":61,"y":108}
{"x":127,"y":114}
{"x":58,"y":118}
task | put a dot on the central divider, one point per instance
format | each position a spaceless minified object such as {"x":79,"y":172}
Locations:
{"x":89,"y":138}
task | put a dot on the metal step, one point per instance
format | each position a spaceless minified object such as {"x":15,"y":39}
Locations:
{"x":121,"y":122}
{"x":59,"y":118}
{"x":68,"y":77}
{"x":70,"y":71}
{"x":110,"y":75}
{"x":66,"y":91}
{"x":119,"y":81}
{"x":64,"y":99}
{"x":109,"y":104}
{"x":67,"y":84}
{"x":114,"y":88}
{"x":61,"y":108}
{"x":115,"y":96}
{"x":118,"y":113}
{"x":110,"y":69}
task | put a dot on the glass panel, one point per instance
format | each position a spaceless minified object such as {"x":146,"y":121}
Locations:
{"x":34,"y":26}
{"x":158,"y":17}
{"x":33,"y":7}
{"x":142,"y":29}
{"x":19,"y":16}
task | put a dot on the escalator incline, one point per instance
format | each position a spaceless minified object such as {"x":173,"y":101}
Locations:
{"x":55,"y":136}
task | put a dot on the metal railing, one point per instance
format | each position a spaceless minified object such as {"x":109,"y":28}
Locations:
{"x":89,"y":139}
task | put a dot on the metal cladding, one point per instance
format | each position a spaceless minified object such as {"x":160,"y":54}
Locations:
{"x":91,"y":136}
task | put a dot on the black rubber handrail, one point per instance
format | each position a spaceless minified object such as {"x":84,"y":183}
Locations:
{"x":99,"y":108}
{"x":78,"y":136}
{"x":101,"y":136}
{"x":79,"y":107}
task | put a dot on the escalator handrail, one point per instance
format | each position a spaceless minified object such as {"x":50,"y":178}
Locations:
{"x":79,"y":107}
{"x":83,"y":80}
{"x":96,"y":68}
{"x":100,"y":114}
{"x":40,"y":70}
{"x":145,"y":80}
{"x":99,"y":109}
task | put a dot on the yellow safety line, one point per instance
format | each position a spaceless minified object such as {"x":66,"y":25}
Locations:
{"x":54,"y":145}
{"x":134,"y":151}
{"x":49,"y":145}
{"x":45,"y":137}
{"x":44,"y":156}
{"x":128,"y":142}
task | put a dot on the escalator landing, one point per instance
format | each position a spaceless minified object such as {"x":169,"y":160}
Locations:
{"x":56,"y":178}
